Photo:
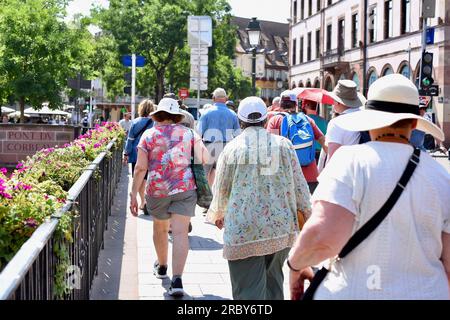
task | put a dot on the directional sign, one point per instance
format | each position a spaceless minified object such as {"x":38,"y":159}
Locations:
{"x":196,"y":51}
{"x":195,"y":72}
{"x":193,"y":85}
{"x":127,"y":61}
{"x":203,"y":60}
{"x":199,"y":31}
{"x":430,"y":35}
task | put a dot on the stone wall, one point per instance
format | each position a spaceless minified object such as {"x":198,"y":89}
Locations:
{"x":17,"y":141}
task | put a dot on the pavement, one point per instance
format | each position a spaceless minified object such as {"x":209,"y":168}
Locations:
{"x":126,"y":263}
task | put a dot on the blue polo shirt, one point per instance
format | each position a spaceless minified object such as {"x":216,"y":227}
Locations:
{"x":218,"y":124}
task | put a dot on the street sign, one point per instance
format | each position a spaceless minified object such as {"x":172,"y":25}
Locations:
{"x":127,"y":61}
{"x":193,"y":84}
{"x":183,"y":93}
{"x":199,"y":31}
{"x":430,"y":35}
{"x":196,"y":58}
{"x":202,"y":50}
{"x":195,"y":71}
{"x":431,"y":91}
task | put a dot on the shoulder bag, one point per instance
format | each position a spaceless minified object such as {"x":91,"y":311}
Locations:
{"x":368,"y":227}
{"x":204,"y":194}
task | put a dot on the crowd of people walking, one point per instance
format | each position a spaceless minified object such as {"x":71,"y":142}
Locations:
{"x":342,"y":203}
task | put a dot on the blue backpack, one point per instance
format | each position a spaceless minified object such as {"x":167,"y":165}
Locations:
{"x":297,"y":128}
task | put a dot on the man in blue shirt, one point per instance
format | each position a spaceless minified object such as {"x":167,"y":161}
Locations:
{"x":217,"y":126}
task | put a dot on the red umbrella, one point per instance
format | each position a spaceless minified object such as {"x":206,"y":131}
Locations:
{"x":317,"y":95}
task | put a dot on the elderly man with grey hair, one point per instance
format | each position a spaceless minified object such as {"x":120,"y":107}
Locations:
{"x":217,"y":126}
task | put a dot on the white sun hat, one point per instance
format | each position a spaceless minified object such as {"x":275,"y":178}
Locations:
{"x":390,"y":99}
{"x":251,"y":105}
{"x":168,"y":105}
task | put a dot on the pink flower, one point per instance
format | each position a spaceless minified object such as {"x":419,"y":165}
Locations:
{"x":97,"y":145}
{"x":45,"y":197}
{"x":4,"y":171}
{"x":31,"y":222}
{"x":19,"y":165}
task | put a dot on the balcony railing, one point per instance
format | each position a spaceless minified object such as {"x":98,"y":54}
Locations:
{"x":333,"y":56}
{"x":30,"y":275}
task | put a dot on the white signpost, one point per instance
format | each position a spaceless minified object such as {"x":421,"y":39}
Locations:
{"x":199,"y":39}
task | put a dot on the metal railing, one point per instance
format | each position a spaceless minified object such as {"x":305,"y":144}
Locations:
{"x":30,"y":274}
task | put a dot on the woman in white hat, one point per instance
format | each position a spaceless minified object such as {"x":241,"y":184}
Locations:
{"x":165,"y":151}
{"x":401,"y":249}
{"x":258,"y":188}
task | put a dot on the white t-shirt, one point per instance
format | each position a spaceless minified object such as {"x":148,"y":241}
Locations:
{"x":401,"y":258}
{"x":125,"y":124}
{"x":339,"y":135}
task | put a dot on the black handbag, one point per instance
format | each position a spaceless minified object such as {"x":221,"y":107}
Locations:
{"x":369,"y":226}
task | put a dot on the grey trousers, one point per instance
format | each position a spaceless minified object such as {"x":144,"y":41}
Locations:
{"x":258,"y":278}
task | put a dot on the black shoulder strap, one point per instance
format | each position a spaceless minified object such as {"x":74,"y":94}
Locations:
{"x":375,"y":221}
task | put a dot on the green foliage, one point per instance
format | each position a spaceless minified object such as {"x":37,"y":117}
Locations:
{"x":39,"y":51}
{"x":157,"y":30}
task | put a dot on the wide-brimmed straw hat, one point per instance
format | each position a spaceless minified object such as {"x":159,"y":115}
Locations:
{"x":168,"y":105}
{"x":390,"y":99}
{"x":346,"y":93}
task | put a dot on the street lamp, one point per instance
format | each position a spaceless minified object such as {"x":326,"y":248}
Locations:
{"x":254,"y":34}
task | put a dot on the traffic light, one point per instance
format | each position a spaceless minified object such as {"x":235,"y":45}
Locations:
{"x":426,"y":79}
{"x":127,"y":90}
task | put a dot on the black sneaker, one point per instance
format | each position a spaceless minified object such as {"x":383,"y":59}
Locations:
{"x":160,"y":271}
{"x":176,"y":288}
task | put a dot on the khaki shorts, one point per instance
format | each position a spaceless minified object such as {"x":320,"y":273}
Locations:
{"x":182,"y":203}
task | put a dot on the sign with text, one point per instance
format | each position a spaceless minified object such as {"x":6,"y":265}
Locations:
{"x":183,"y":93}
{"x":199,"y":31}
{"x":196,"y":60}
{"x":193,"y":84}
{"x":201,"y":50}
{"x":199,"y":71}
{"x":127,"y":61}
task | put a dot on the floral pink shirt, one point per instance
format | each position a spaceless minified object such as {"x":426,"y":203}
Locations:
{"x":168,"y":149}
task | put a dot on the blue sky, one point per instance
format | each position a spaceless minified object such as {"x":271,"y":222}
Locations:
{"x":272,"y":10}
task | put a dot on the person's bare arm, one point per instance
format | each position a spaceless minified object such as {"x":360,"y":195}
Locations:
{"x":138,"y":177}
{"x":445,"y":257}
{"x":321,"y":140}
{"x":323,"y":236}
{"x":332,"y":147}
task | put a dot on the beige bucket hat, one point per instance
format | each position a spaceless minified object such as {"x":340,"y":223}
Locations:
{"x":346,"y":93}
{"x":390,"y":99}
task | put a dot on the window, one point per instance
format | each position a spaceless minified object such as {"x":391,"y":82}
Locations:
{"x":294,"y":52}
{"x":269,"y":74}
{"x":387,"y":71}
{"x":355,"y":28}
{"x":405,"y":71}
{"x":355,"y":79}
{"x":309,"y":7}
{"x":405,"y":25}
{"x":318,"y":5}
{"x":301,"y":49}
{"x":341,"y":35}
{"x":317,"y":43}
{"x":372,"y":25}
{"x":372,"y":78}
{"x":294,"y":11}
{"x":302,"y":9}
{"x":388,"y":20}
{"x":277,"y":75}
{"x":308,"y":47}
{"x":329,"y":29}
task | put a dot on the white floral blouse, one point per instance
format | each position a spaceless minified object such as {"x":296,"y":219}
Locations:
{"x":258,"y":188}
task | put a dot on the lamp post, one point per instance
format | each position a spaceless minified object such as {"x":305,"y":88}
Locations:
{"x":254,"y":34}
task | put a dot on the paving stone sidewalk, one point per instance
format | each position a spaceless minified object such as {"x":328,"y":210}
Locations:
{"x":125,"y":266}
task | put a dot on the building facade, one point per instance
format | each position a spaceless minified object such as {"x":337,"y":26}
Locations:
{"x":272,"y":57}
{"x":338,"y":39}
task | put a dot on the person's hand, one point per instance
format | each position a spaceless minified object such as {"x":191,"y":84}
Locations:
{"x":134,"y":205}
{"x":297,"y":282}
{"x":125,"y":159}
{"x":219,"y":223}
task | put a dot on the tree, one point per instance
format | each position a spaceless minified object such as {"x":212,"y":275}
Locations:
{"x":39,"y":52}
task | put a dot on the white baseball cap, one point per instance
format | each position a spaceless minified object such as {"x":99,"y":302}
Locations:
{"x":252,"y":105}
{"x":168,"y":105}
